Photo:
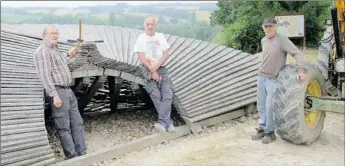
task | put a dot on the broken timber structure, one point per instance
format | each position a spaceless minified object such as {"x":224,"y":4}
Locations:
{"x":208,"y":80}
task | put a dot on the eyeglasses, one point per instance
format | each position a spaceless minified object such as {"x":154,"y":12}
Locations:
{"x":54,"y":33}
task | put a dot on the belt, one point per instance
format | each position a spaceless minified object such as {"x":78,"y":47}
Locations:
{"x":61,"y":86}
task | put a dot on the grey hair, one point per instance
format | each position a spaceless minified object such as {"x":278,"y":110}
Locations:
{"x":46,"y":28}
{"x":151,"y":16}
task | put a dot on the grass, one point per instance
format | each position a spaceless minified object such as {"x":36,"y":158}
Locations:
{"x":102,"y":16}
{"x":38,"y":11}
{"x":188,"y":8}
{"x":203,"y":16}
{"x":60,"y":12}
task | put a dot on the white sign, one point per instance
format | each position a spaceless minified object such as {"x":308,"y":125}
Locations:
{"x":291,"y":26}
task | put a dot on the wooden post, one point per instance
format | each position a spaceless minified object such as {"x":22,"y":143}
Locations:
{"x":114,"y":92}
{"x":146,"y":97}
{"x":79,"y":83}
{"x":304,"y":35}
{"x":85,"y":99}
{"x":304,"y":43}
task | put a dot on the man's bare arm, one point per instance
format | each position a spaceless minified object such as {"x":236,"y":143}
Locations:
{"x":164,"y":58}
{"x":145,"y":61}
{"x":291,"y":49}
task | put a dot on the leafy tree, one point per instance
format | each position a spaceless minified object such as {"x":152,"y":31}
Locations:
{"x":242,"y":21}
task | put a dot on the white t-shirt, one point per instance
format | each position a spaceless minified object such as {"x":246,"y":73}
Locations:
{"x":152,"y":46}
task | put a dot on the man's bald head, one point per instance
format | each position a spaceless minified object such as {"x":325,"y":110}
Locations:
{"x":150,"y":25}
{"x":50,"y":34}
{"x":150,"y":18}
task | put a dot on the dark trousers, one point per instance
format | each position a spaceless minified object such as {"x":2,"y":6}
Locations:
{"x":69,"y":124}
{"x":161,"y":94}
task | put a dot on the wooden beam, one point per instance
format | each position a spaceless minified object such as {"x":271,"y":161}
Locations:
{"x":222,"y":118}
{"x":119,"y":150}
{"x":146,"y":97}
{"x":88,"y":72}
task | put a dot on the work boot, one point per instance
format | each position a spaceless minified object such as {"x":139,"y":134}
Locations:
{"x":259,"y":134}
{"x":160,"y":128}
{"x":268,"y":138}
{"x":171,"y":127}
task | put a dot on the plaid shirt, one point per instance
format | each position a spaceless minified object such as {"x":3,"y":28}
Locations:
{"x":52,"y":68}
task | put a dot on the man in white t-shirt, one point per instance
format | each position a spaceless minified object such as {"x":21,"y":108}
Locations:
{"x":153,"y":52}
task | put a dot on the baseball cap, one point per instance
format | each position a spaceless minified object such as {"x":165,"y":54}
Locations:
{"x":269,"y":21}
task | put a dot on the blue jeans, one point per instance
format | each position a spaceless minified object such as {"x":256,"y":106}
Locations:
{"x":266,"y":87}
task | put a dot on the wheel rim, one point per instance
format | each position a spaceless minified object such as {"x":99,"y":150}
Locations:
{"x":312,"y":118}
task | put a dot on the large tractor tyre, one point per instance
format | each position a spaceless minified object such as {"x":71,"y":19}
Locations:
{"x":293,"y":124}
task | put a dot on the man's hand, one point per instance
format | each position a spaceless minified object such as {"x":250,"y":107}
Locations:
{"x":57,"y":101}
{"x":301,"y":76}
{"x":72,"y":51}
{"x":155,"y":66}
{"x":155,"y":76}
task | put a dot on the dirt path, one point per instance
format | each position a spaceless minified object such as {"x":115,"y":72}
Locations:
{"x":230,"y":144}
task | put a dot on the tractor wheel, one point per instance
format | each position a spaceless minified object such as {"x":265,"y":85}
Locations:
{"x":293,"y":124}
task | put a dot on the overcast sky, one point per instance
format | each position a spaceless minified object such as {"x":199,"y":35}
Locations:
{"x":72,"y":4}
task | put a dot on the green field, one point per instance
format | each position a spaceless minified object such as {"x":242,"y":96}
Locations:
{"x":61,"y":12}
{"x":37,"y":11}
{"x":17,"y":19}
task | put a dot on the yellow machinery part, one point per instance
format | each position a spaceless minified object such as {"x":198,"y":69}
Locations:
{"x":340,"y":4}
{"x":312,"y":118}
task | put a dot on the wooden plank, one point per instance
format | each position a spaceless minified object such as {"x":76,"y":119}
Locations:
{"x":132,"y":40}
{"x":125,"y":41}
{"x":118,"y":40}
{"x":21,"y":108}
{"x":14,"y":157}
{"x":15,"y":145}
{"x":17,"y":137}
{"x":34,"y":160}
{"x":44,"y":162}
{"x":249,"y":83}
{"x":198,"y":66}
{"x":222,"y":118}
{"x":21,"y":121}
{"x":223,"y":110}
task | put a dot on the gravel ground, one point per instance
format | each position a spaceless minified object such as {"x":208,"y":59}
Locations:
{"x":230,"y":143}
{"x":106,"y":130}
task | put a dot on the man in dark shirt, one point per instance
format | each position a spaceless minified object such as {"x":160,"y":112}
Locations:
{"x":56,"y":78}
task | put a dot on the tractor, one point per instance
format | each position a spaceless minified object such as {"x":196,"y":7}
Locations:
{"x":300,"y":108}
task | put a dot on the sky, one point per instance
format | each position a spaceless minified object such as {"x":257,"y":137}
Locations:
{"x":73,"y":4}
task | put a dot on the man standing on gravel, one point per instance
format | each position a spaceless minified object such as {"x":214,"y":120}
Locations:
{"x":275,"y":49}
{"x":56,"y":78}
{"x":153,"y":52}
